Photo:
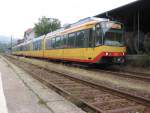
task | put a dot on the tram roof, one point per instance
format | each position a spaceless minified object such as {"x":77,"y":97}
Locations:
{"x":76,"y":25}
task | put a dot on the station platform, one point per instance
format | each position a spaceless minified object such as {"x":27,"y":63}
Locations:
{"x":20,"y":93}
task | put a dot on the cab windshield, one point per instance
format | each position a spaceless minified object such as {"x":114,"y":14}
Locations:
{"x":112,"y":33}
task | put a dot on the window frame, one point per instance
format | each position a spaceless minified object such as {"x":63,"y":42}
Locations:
{"x":84,"y":37}
{"x":69,"y":46}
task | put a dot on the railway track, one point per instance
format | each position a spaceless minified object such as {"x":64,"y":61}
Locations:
{"x":118,"y":72}
{"x":127,"y":74}
{"x":89,"y":96}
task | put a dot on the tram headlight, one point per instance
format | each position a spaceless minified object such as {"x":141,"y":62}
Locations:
{"x":106,"y":53}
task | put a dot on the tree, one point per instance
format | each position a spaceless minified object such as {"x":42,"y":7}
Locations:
{"x":46,"y":25}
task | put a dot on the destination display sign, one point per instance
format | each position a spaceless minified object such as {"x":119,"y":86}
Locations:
{"x":116,"y":26}
{"x":111,"y":25}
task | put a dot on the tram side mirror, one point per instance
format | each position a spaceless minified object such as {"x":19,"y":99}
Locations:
{"x":94,"y":28}
{"x":98,"y":26}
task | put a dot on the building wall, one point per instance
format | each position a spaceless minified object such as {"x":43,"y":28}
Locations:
{"x":29,"y":35}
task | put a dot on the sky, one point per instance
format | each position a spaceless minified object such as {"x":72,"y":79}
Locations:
{"x":16,"y":16}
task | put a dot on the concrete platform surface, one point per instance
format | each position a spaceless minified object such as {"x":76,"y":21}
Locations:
{"x":20,"y":93}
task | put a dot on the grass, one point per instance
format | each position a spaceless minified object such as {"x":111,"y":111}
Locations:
{"x":42,"y":102}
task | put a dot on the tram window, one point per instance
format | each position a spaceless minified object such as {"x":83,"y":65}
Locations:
{"x":28,"y":47}
{"x":58,"y":42}
{"x":61,"y":42}
{"x":80,"y":39}
{"x":98,"y":38}
{"x":71,"y":40}
{"x":90,"y":41}
{"x":39,"y":45}
{"x":48,"y":43}
{"x":36,"y":45}
{"x":24,"y":47}
{"x":64,"y":39}
{"x":53,"y":42}
{"x":21,"y":48}
{"x":33,"y":45}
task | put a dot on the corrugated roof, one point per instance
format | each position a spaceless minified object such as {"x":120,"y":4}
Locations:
{"x":128,"y":14}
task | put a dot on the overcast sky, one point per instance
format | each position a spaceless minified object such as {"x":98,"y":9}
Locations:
{"x":18,"y":15}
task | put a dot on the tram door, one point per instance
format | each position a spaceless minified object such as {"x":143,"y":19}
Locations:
{"x":89,"y":51}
